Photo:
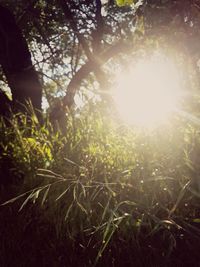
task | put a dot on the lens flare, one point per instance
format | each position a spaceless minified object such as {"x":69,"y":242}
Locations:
{"x":147,"y":93}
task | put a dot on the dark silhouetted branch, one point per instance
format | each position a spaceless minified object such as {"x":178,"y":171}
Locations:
{"x":89,"y":67}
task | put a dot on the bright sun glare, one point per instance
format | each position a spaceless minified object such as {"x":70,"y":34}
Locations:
{"x":148,"y":92}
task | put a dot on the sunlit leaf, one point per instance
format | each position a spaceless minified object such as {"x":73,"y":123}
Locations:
{"x":124,"y":2}
{"x":15,"y":198}
{"x":45,"y":195}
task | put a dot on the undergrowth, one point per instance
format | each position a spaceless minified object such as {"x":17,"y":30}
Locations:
{"x":99,"y":193}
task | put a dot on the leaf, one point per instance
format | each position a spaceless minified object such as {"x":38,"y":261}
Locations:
{"x":121,"y":3}
{"x":26,"y":201}
{"x":45,"y":195}
{"x":81,"y":207}
{"x":15,"y":198}
{"x":71,"y":162}
{"x":31,"y":141}
{"x":83,"y":189}
{"x":36,"y":195}
{"x":46,"y":175}
{"x":106,"y":209}
{"x":196,"y":220}
{"x":111,"y":226}
{"x":68,"y":211}
{"x":180,"y":197}
{"x":49,"y":174}
{"x":62,"y":194}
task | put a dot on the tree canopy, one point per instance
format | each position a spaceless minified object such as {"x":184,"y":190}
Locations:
{"x":73,"y":43}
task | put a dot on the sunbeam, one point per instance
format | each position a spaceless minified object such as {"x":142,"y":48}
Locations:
{"x":147,"y":93}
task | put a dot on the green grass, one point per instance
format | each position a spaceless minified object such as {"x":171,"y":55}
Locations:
{"x":99,"y":193}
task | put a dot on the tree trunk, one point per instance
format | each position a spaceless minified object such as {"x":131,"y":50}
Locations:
{"x":17,"y":66}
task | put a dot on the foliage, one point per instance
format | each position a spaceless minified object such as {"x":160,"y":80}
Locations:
{"x":109,"y":189}
{"x":124,"y":2}
{"x":66,"y":38}
{"x":89,"y":190}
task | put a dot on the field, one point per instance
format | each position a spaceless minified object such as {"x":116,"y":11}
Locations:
{"x":99,"y":193}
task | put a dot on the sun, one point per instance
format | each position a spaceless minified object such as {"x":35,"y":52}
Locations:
{"x":148,"y":93}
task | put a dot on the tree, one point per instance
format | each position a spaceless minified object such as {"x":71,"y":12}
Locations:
{"x":17,"y":66}
{"x":73,"y":42}
{"x":83,"y":40}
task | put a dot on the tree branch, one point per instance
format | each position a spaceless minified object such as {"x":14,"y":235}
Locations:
{"x":92,"y":59}
{"x":89,"y":67}
{"x":97,"y":35}
{"x":69,"y":17}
